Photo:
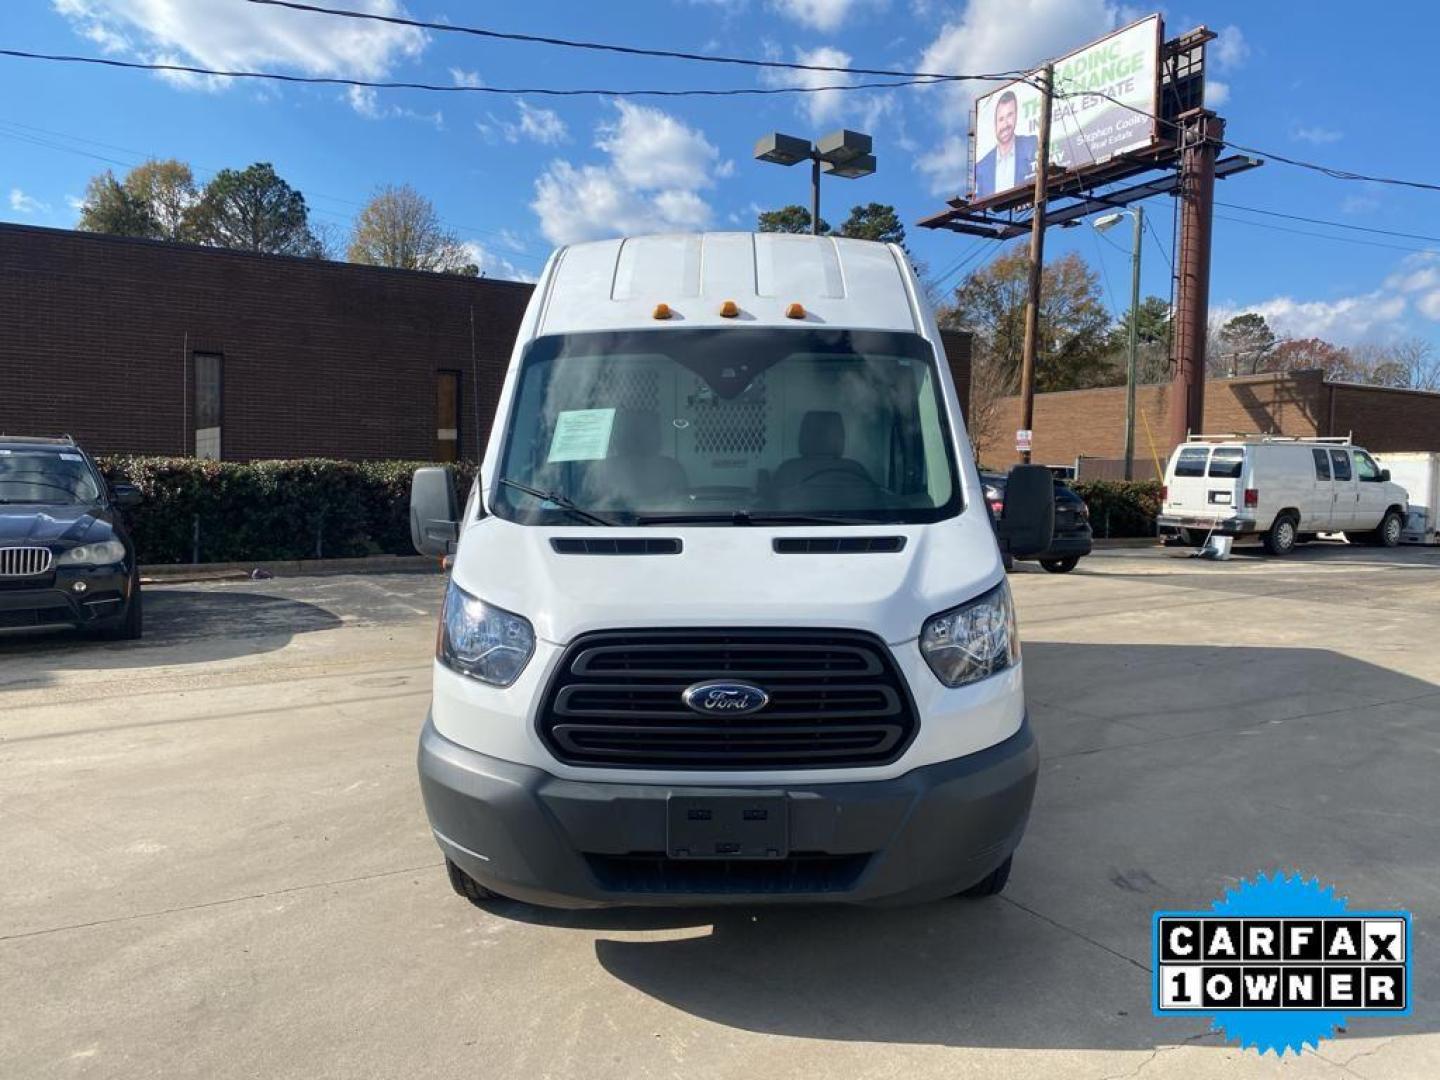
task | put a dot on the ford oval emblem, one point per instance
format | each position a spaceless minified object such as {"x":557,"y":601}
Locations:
{"x":728,"y":698}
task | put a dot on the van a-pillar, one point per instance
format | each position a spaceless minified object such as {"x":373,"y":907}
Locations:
{"x":1201,"y":134}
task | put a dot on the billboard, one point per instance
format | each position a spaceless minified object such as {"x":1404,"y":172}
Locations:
{"x":1086,"y":129}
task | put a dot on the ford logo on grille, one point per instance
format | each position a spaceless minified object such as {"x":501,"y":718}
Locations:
{"x":733,"y":698}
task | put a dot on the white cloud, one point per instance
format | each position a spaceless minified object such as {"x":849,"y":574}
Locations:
{"x":822,"y":106}
{"x":366,"y":101}
{"x":1419,"y":277}
{"x":493,"y":265}
{"x":225,"y":34}
{"x":537,"y":124}
{"x":825,"y":15}
{"x":75,"y":203}
{"x":1359,"y":204}
{"x":652,"y":180}
{"x":1429,"y":305}
{"x":1345,"y":320}
{"x":22,"y":203}
{"x":1316,"y":134}
{"x":1217,"y":93}
{"x":992,"y":36}
{"x":1229,"y":50}
{"x":461,"y":77}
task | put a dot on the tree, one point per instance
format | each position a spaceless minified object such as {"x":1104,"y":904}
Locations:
{"x":875,"y":221}
{"x":790,"y":219}
{"x":154,"y":201}
{"x":253,"y":209}
{"x":1314,"y":354}
{"x":1409,"y":364}
{"x":1152,"y":360}
{"x":1245,"y":344}
{"x":399,"y":227}
{"x":110,"y":208}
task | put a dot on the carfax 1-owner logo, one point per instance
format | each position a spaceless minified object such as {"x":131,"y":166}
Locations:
{"x":1280,"y":963}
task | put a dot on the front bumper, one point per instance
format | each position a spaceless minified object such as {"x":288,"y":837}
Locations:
{"x":931,"y":832}
{"x":54,"y":600}
{"x":1075,"y":544}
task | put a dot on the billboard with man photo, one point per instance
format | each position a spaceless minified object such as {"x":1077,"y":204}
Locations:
{"x":1105,"y":103}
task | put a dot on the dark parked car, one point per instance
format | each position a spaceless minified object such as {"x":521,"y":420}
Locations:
{"x":65,"y":556}
{"x":1072,"y":537}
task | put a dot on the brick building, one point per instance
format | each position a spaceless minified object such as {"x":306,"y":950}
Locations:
{"x":140,"y":347}
{"x":135,"y":346}
{"x":1091,"y":423}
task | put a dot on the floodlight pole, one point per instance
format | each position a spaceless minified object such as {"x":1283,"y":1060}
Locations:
{"x":1138,"y":213}
{"x":1037,"y":261}
{"x":814,"y":192}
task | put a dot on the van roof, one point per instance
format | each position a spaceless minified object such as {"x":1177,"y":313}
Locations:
{"x":615,"y":284}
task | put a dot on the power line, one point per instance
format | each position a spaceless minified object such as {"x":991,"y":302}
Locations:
{"x":632,"y":50}
{"x":443,"y":88}
{"x":1320,"y":236}
{"x":1335,"y":224}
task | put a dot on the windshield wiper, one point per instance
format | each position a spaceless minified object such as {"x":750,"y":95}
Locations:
{"x":564,"y":502}
{"x":748,"y":517}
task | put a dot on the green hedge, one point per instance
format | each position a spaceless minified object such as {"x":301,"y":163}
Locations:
{"x":261,"y":510}
{"x":1121,"y":507}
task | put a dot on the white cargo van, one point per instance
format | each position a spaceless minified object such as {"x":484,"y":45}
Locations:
{"x":726,"y":618}
{"x":1280,"y":491}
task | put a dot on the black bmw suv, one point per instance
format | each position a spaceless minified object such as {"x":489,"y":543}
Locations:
{"x":1072,"y":538}
{"x":65,"y":556}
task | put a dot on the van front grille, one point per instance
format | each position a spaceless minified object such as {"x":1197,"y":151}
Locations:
{"x":24,"y":561}
{"x":836,"y":699}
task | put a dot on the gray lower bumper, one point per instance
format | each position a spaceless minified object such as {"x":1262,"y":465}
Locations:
{"x":563,"y":843}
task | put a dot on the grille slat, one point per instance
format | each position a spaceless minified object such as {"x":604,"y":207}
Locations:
{"x":24,"y":561}
{"x":836,"y":698}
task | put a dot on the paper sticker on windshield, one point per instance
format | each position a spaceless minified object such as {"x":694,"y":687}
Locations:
{"x":71,"y":457}
{"x":581,"y":435}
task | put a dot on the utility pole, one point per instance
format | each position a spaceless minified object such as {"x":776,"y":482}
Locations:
{"x":1037,"y":261}
{"x":815,"y":194}
{"x":1201,"y":132}
{"x":1138,"y":212}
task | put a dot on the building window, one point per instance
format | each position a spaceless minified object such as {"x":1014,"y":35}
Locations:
{"x":447,"y":416}
{"x":209,"y":408}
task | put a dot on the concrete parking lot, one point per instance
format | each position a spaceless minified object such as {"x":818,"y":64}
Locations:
{"x":216,"y":863}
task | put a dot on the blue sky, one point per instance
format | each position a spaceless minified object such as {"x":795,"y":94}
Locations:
{"x":514,"y":177}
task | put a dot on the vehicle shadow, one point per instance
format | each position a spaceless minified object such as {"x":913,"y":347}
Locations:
{"x":1169,"y":773}
{"x":210,"y":625}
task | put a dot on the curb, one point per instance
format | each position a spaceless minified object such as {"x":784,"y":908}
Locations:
{"x":161,"y":573}
{"x":1128,"y":542}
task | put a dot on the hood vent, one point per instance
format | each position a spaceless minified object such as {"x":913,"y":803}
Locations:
{"x":622,"y":545}
{"x":837,"y":545}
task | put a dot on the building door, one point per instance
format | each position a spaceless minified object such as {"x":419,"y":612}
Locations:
{"x":447,"y":415}
{"x":209,"y":404}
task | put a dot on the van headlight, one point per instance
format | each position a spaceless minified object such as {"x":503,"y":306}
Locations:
{"x":973,"y":641}
{"x":481,"y":641}
{"x":103,"y":553}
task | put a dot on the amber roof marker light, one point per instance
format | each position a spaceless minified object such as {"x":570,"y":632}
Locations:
{"x":795,"y":311}
{"x":729,"y":309}
{"x":662,"y":311}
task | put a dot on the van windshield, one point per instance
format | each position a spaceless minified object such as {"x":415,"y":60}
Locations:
{"x":728,"y":426}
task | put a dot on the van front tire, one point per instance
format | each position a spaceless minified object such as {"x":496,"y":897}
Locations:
{"x":992,"y":884}
{"x":1389,"y":530}
{"x":466,"y":886}
{"x":1280,"y":540}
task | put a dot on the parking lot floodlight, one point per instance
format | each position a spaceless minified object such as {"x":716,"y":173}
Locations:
{"x":852,"y":169}
{"x":1107,"y":221}
{"x":843,"y":146}
{"x":781,"y":149}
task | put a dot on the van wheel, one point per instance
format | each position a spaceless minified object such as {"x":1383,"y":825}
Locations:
{"x":466,"y":886}
{"x":1061,"y":566}
{"x":1388,"y":534}
{"x":1280,"y":540}
{"x":992,"y":884}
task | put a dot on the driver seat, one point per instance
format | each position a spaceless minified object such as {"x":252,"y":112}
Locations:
{"x":822,"y":451}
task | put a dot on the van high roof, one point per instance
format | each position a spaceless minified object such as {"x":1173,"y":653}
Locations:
{"x":616,"y":284}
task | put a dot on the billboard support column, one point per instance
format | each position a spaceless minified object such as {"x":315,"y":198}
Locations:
{"x":1201,"y":133}
{"x":1037,"y":260}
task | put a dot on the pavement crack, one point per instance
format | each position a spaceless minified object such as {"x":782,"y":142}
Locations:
{"x":1076,"y":933}
{"x":219,"y":903}
{"x":1155,"y":1053}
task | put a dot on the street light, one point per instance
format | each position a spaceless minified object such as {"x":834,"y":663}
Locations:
{"x":843,"y":153}
{"x":1109,"y":221}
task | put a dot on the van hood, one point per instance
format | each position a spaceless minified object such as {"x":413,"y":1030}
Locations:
{"x":729,"y":576}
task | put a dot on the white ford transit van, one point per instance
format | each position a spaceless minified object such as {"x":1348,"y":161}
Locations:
{"x":1279,"y":490}
{"x":726,"y":618}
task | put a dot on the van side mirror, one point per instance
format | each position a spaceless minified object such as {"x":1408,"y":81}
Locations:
{"x":126,"y":496}
{"x":434,"y":513}
{"x":1028,"y":520}
{"x":1385,"y":476}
